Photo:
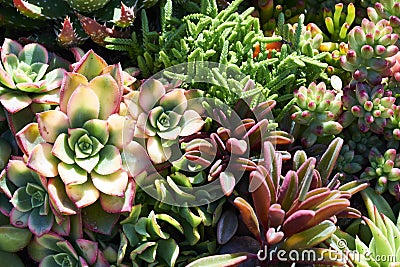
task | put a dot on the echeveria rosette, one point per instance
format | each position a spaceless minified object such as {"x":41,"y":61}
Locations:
{"x":31,"y":205}
{"x":386,"y":169}
{"x":27,"y":76}
{"x":370,"y":106}
{"x":78,"y":145}
{"x":317,"y":109}
{"x":51,"y":250}
{"x":162,"y":116}
{"x":371,"y":48}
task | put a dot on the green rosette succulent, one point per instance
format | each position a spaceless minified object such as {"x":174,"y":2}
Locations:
{"x":78,"y":145}
{"x":371,"y":48}
{"x":388,"y":10}
{"x":386,"y":169}
{"x":317,"y":109}
{"x":370,"y":106}
{"x":31,"y":205}
{"x":162,"y":116}
{"x":28,"y":75}
{"x":51,"y":250}
{"x":348,"y":161}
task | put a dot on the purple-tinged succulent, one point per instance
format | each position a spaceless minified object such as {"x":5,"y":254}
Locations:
{"x":317,"y":109}
{"x":78,"y":145}
{"x":371,"y":48}
{"x":386,"y":169}
{"x":27,"y":76}
{"x":67,"y":37}
{"x":51,"y":250}
{"x":295,"y":213}
{"x":386,"y":9}
{"x":370,"y":106}
{"x":124,"y":16}
{"x":162,"y":116}
{"x":392,"y":129}
{"x":31,"y":205}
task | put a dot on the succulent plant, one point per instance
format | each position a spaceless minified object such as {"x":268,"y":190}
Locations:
{"x":386,"y":169}
{"x":392,"y":129}
{"x":52,"y":250}
{"x":370,"y":106}
{"x":339,"y":22}
{"x":383,"y":248}
{"x":349,"y":162}
{"x":31,"y":205}
{"x":296,"y":213}
{"x":28,"y":75}
{"x":371,"y":47}
{"x":162,"y":116}
{"x":77,"y":147}
{"x":317,"y":109}
{"x":388,"y":10}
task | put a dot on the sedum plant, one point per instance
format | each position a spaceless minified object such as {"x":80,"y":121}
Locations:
{"x":369,"y":106}
{"x":77,"y":147}
{"x":386,"y":169}
{"x":371,"y":47}
{"x":28,"y":74}
{"x":388,"y":10}
{"x":317,"y":109}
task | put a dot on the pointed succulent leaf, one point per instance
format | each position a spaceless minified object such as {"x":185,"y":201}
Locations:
{"x":83,"y":105}
{"x":110,"y":160}
{"x":168,"y":250}
{"x":113,"y":184}
{"x":19,"y":219}
{"x":72,"y":174}
{"x":328,"y":159}
{"x":70,"y":82}
{"x":40,"y":224}
{"x":288,"y":190}
{"x":227,"y":226}
{"x":19,"y":174}
{"x":89,"y":250}
{"x":124,"y":16}
{"x":97,"y":128}
{"x":10,"y":47}
{"x":51,"y":124}
{"x":82,"y":195}
{"x":15,"y":101}
{"x":261,"y":196}
{"x":135,"y":158}
{"x":28,"y":9}
{"x":32,"y":53}
{"x":150,"y":93}
{"x":90,"y":65}
{"x":62,"y":150}
{"x":88,"y":163}
{"x":192,"y":123}
{"x":42,"y":160}
{"x":97,"y":220}
{"x":59,"y":198}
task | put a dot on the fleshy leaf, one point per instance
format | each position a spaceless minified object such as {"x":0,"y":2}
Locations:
{"x":32,"y":53}
{"x":82,"y":195}
{"x":97,"y":220}
{"x":83,"y":105}
{"x":192,"y":123}
{"x":13,"y":239}
{"x":72,"y":174}
{"x":62,"y":150}
{"x":113,"y":184}
{"x":39,"y":224}
{"x":28,"y":137}
{"x":89,"y":250}
{"x":90,"y":65}
{"x":150,"y":93}
{"x":42,"y":160}
{"x":110,"y":99}
{"x":51,"y":124}
{"x":15,"y":101}
{"x":70,"y":82}
{"x":98,"y":129}
{"x":59,"y":198}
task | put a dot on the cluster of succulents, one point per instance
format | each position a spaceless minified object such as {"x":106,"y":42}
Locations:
{"x":281,"y":113}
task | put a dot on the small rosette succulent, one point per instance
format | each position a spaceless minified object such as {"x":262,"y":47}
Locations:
{"x":386,"y":169}
{"x":162,"y":116}
{"x":27,"y":75}
{"x":370,"y":106}
{"x":31,"y":205}
{"x":388,"y":10}
{"x":51,"y":250}
{"x":371,"y":48}
{"x":78,"y":145}
{"x":348,"y":161}
{"x":317,"y":109}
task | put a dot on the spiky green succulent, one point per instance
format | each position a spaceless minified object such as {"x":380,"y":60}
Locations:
{"x":371,"y":47}
{"x":369,"y":106}
{"x":27,"y":75}
{"x":162,"y":116}
{"x":385,"y":168}
{"x":388,"y":10}
{"x":318,"y":109}
{"x":52,"y":250}
{"x":77,"y":147}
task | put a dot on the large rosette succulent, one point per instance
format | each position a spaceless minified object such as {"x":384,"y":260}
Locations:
{"x":162,"y":116}
{"x":78,"y":145}
{"x":28,"y":75}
